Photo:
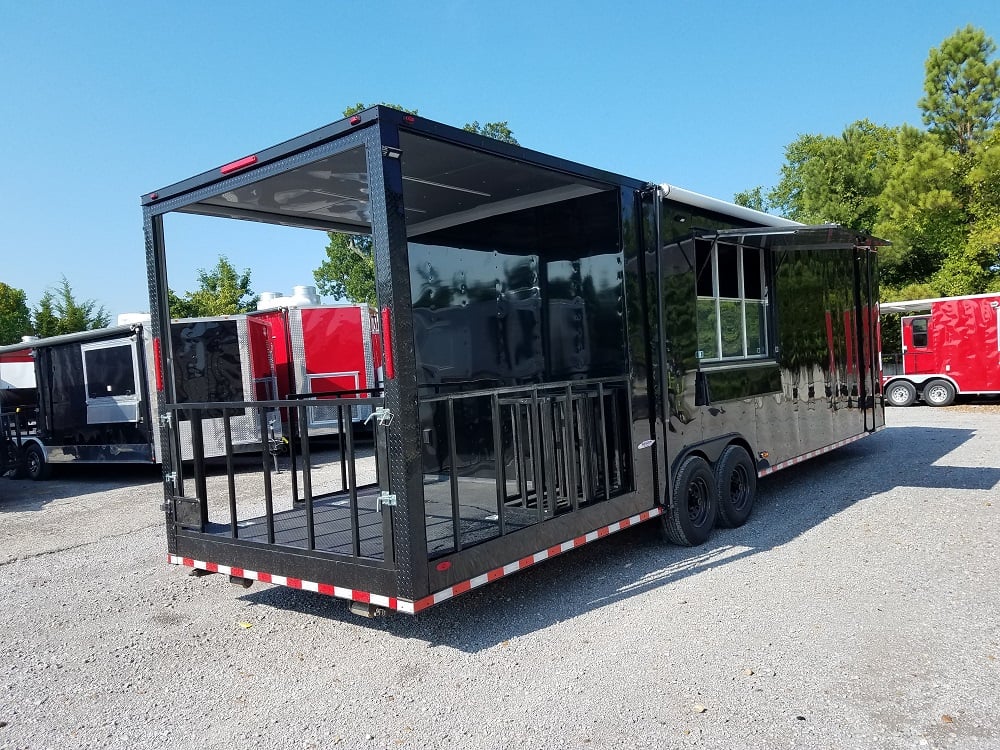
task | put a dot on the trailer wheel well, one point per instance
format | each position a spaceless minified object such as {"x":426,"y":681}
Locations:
{"x":711,"y":450}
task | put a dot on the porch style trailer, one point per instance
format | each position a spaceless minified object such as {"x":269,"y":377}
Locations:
{"x":567,"y":352}
{"x":92,"y":396}
{"x":950,"y":346}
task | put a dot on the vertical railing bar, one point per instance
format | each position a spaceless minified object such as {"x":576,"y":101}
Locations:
{"x":604,"y":442}
{"x":569,"y":432}
{"x":227,"y":438}
{"x":292,"y":455}
{"x":536,"y":452}
{"x":352,"y":487}
{"x":266,"y":461}
{"x":453,"y":478}
{"x":617,"y":436}
{"x":586,"y":423}
{"x":550,"y":465}
{"x":518,"y":425}
{"x":498,"y":455}
{"x":306,"y":480}
{"x":341,"y":440}
{"x":198,"y":453}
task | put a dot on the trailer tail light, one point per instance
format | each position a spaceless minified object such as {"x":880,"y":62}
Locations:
{"x":157,"y":364}
{"x":390,"y":368}
{"x":236,"y":166}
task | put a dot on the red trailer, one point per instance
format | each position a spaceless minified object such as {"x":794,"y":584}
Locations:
{"x":952,"y":347}
{"x":325,"y":349}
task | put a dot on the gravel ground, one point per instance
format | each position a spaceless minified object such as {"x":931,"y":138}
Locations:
{"x":857,"y":609}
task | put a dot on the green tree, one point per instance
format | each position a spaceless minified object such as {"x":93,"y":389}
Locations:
{"x":940,"y":206}
{"x":348,"y":271}
{"x":59,"y":312}
{"x":836,"y":179}
{"x":921,"y":211}
{"x":961,"y":99}
{"x":221,"y":291}
{"x":983,"y":181}
{"x":15,"y":317}
{"x":497,"y":130}
{"x":752,"y":198}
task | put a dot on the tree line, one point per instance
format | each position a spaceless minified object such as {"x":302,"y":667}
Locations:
{"x":934,"y":192}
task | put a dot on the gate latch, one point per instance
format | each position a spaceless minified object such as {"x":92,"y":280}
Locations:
{"x":381,"y":415}
{"x":167,"y":419}
{"x":385,"y":499}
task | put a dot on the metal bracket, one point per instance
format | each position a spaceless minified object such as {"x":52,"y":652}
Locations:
{"x":381,"y":415}
{"x":167,"y":420}
{"x":385,"y":499}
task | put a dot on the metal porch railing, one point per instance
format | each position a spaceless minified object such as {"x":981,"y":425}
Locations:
{"x":304,"y":491}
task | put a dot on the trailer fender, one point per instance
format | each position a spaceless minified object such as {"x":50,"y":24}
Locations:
{"x":711,"y":449}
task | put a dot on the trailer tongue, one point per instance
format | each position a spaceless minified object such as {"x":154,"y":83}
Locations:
{"x":566,"y":352}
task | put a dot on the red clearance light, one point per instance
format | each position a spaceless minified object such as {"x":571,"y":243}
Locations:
{"x":387,"y":360}
{"x":356,"y":119}
{"x":153,"y":196}
{"x":409,"y":119}
{"x":235,"y":166}
{"x":443,"y":566}
{"x":158,"y":364}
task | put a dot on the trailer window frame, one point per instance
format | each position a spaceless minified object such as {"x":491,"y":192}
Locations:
{"x":113,"y":407}
{"x":717,"y":303}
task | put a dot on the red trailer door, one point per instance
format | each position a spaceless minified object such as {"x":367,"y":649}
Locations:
{"x":918,"y":357}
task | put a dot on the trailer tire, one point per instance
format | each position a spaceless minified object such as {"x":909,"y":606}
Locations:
{"x":901,"y":393}
{"x":736,"y":481}
{"x":691,"y":516}
{"x":35,"y":465}
{"x":939,"y":392}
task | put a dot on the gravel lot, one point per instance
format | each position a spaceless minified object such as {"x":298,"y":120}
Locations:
{"x":857,"y":609}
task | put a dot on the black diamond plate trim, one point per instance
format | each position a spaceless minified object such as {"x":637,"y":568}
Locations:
{"x":392,"y":277}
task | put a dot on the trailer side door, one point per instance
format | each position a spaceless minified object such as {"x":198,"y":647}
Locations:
{"x":918,"y":355}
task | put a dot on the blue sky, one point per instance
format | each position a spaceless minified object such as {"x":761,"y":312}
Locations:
{"x":105,"y":101}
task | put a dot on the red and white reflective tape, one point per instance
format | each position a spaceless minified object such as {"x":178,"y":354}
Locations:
{"x":389,"y":602}
{"x":527,"y":562}
{"x":405,"y":605}
{"x":810,"y":454}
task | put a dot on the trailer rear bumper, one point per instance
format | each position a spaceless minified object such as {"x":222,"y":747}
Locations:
{"x":408,"y":606}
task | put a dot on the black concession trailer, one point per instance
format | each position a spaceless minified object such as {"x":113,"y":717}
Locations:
{"x":567,"y":352}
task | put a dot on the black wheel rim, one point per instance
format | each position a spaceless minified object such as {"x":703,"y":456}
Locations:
{"x":697,"y":501}
{"x":739,"y":488}
{"x":34,"y":463}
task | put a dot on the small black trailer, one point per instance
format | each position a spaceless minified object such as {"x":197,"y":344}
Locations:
{"x":92,"y":396}
{"x":567,"y":352}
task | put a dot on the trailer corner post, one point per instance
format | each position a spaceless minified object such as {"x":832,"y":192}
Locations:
{"x":156,"y":278}
{"x":392,"y":281}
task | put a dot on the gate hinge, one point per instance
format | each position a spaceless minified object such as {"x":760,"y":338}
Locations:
{"x":385,"y":499}
{"x":381,"y":415}
{"x":167,"y":420}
